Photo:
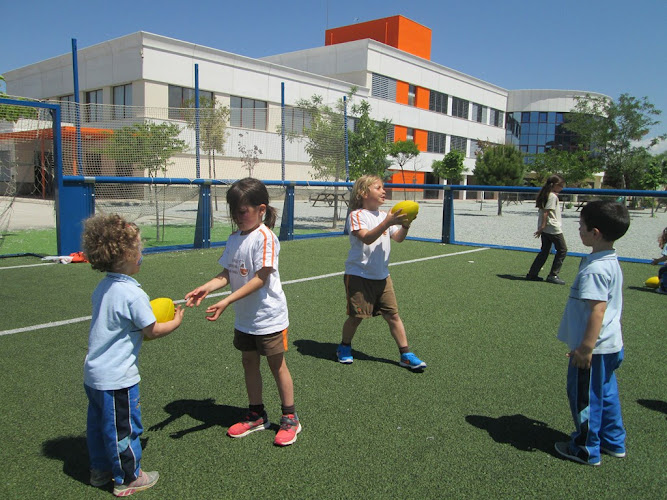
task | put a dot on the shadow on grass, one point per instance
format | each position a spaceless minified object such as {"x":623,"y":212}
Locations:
{"x":642,"y":289}
{"x":654,"y":404}
{"x":73,"y":452}
{"x":204,"y":410}
{"x":525,"y":434}
{"x":327,"y":350}
{"x":514,"y":277}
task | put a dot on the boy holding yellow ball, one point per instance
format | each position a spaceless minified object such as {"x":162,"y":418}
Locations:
{"x":368,"y":286}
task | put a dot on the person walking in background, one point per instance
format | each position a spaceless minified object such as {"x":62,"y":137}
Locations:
{"x":662,"y":273}
{"x":250,"y":267}
{"x":368,"y":285}
{"x":122,"y":317}
{"x":549,"y":230}
{"x":591,"y":328}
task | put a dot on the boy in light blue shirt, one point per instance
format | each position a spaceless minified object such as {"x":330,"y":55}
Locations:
{"x":591,"y":328}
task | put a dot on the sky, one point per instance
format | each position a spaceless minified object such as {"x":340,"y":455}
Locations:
{"x":607,"y":46}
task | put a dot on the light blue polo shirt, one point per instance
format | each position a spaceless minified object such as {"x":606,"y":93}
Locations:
{"x":121,"y":310}
{"x":599,"y":278}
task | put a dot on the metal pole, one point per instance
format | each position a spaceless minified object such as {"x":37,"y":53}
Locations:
{"x":282,"y":128}
{"x":347,"y":157}
{"x":75,"y":72}
{"x":197,"y":120}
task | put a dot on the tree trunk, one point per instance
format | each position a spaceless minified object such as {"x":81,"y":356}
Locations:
{"x":500,"y":203}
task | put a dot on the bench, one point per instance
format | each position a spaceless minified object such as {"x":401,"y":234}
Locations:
{"x":329,"y":198}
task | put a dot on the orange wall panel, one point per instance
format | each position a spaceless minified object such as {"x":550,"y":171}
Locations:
{"x":400,"y":133}
{"x":421,"y":139}
{"x":396,"y":31}
{"x":422,"y":98}
{"x":411,"y":177}
{"x":402,"y":92}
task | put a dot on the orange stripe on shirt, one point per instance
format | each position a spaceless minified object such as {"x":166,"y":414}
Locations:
{"x":265,"y":250}
{"x":355,"y":221}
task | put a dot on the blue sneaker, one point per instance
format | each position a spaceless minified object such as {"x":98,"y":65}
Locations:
{"x":344,"y":354}
{"x":409,"y":360}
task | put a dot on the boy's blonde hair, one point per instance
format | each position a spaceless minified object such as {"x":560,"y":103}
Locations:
{"x":361,"y":187}
{"x":108,"y":240}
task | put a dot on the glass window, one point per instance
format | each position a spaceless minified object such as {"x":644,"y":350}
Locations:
{"x":460,"y":107}
{"x":248,"y":113}
{"x":479,"y":112}
{"x":543,"y":117}
{"x":410,"y":135}
{"x":437,"y":102}
{"x":542,"y":129}
{"x":67,"y":108}
{"x":458,"y":143}
{"x":297,"y":120}
{"x":412,"y":93}
{"x":181,"y":97}
{"x":436,"y":142}
{"x":534,"y":116}
{"x":122,"y":97}
{"x":93,"y":108}
{"x":473,"y":148}
{"x":525,"y":117}
{"x":552,"y":117}
{"x":383,"y":87}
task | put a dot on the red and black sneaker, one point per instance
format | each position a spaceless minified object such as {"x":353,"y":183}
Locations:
{"x":252,"y":422}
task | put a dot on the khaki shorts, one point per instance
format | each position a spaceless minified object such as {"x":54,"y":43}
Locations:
{"x":266,"y":345}
{"x":367,"y":298}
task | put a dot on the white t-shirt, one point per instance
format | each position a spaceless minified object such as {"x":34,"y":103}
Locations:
{"x":264,"y":311}
{"x":552,"y":207}
{"x":599,"y":278}
{"x":368,"y":261}
{"x":121,"y":310}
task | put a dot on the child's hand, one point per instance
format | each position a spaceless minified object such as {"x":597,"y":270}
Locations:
{"x":216,"y":310}
{"x":396,"y":218}
{"x":179,"y":312}
{"x":195,"y":297}
{"x":581,"y":357}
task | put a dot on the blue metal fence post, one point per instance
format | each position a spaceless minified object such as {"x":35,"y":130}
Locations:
{"x":203,"y":224}
{"x":75,"y":75}
{"x":282,"y":130}
{"x":197,"y":143}
{"x":448,"y":215}
{"x":287,"y":220}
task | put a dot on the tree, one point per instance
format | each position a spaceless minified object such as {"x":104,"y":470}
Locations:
{"x":249,"y":156}
{"x":655,"y":176}
{"x":500,"y":165}
{"x":612,"y":131}
{"x":575,"y":166}
{"x":213,"y":122}
{"x":402,"y":152}
{"x":149,"y":146}
{"x":451,"y":167}
{"x":367,"y":143}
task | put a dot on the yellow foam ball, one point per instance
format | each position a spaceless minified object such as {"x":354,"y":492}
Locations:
{"x":409,"y":208}
{"x":163,"y":309}
{"x":653,"y":282}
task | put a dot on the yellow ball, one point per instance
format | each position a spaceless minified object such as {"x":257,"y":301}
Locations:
{"x":653,"y":282}
{"x":409,"y":208}
{"x":163,"y":308}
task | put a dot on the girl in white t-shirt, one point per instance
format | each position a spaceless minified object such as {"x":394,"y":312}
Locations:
{"x":549,"y":230}
{"x":662,"y":273}
{"x":250,"y":267}
{"x":368,"y":286}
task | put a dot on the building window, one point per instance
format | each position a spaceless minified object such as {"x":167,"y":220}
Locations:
{"x":479,"y":112}
{"x":67,"y":108}
{"x":297,"y":120}
{"x":437,"y":101}
{"x":248,"y":113}
{"x":94,"y":108}
{"x":460,"y":107}
{"x":459,"y":143}
{"x":390,"y":134}
{"x":383,"y":87}
{"x":412,"y":95}
{"x":182,"y":97}
{"x":498,"y":117}
{"x":473,"y":148}
{"x":410,"y":135}
{"x":122,"y":99}
{"x":436,"y":143}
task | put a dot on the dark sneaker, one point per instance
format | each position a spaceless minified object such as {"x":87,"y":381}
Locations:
{"x":344,"y":354}
{"x":563,"y":448}
{"x":252,"y":422}
{"x":555,"y":280}
{"x":612,"y":453}
{"x":530,"y":277}
{"x":289,"y":428}
{"x":99,"y":478}
{"x":660,"y":290}
{"x":143,"y":482}
{"x":409,"y":360}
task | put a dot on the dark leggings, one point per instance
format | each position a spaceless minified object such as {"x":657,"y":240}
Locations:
{"x":558,"y":241}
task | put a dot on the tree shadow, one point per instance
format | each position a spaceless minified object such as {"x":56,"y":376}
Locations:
{"x":73,"y":452}
{"x":204,"y":410}
{"x":654,"y":404}
{"x":327,"y":350}
{"x":525,"y":434}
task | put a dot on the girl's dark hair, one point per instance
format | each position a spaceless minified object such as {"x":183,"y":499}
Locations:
{"x":662,"y":239}
{"x":108,"y":240}
{"x":546,"y":190}
{"x":251,"y":192}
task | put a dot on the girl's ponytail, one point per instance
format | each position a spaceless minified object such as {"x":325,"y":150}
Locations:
{"x":543,"y":195}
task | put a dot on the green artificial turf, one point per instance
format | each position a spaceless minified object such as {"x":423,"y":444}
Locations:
{"x":480,"y":422}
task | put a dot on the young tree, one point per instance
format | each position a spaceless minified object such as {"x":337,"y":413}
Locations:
{"x":575,"y":166}
{"x":500,"y":165}
{"x":612,"y":129}
{"x":149,"y":146}
{"x":249,"y":156}
{"x":402,"y":152}
{"x":451,"y":167}
{"x":367,"y":143}
{"x":655,"y":176}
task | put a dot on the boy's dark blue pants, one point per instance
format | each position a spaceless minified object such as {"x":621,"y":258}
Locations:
{"x":595,"y":406}
{"x":113,"y":430}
